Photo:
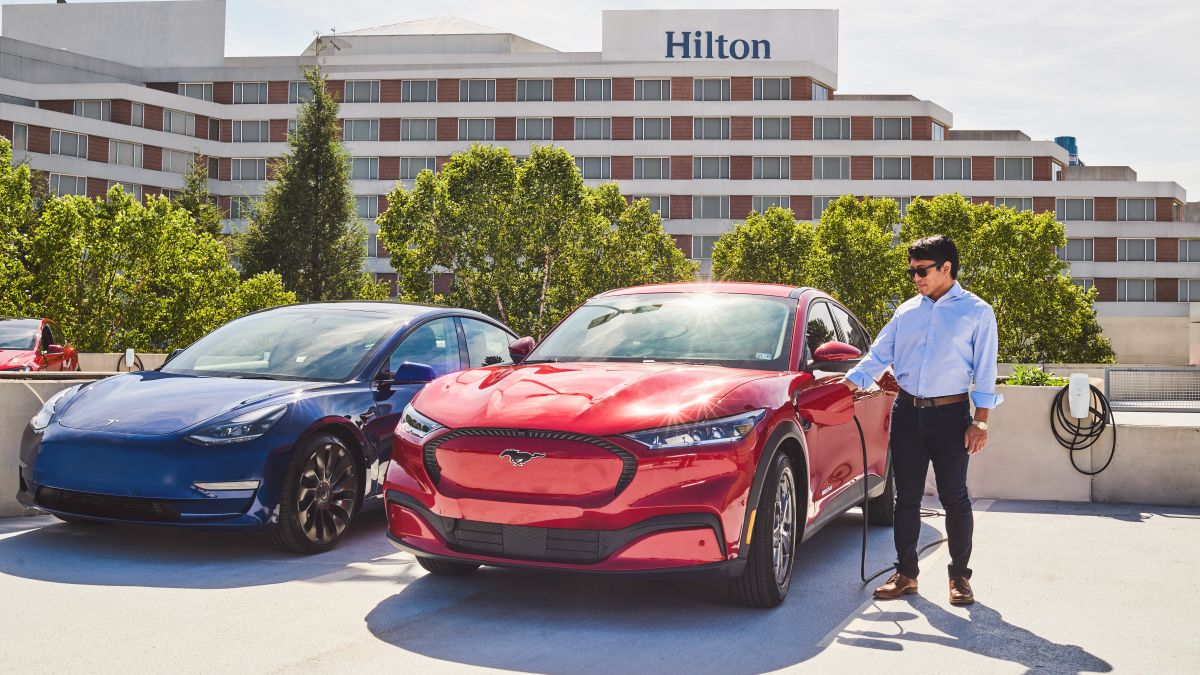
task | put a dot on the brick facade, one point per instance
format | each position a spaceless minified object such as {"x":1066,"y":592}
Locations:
{"x":802,"y":128}
{"x":741,"y":128}
{"x":862,"y":128}
{"x":622,"y":88}
{"x":1104,"y":208}
{"x":741,"y":88}
{"x":983,"y":168}
{"x":564,"y":89}
{"x":681,"y":128}
{"x":1104,"y":249}
{"x":861,"y":168}
{"x":922,"y":168}
{"x":681,"y":169}
{"x":681,"y":89}
{"x":681,"y":206}
{"x":447,"y":90}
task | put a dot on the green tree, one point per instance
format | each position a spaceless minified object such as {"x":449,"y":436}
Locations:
{"x":194,"y":198}
{"x":306,"y":227}
{"x":260,"y":291}
{"x":865,"y":269}
{"x":16,"y":205}
{"x":1008,"y":259}
{"x":771,"y":247}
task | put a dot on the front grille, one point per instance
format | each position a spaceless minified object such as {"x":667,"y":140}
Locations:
{"x":547,"y":544}
{"x":105,"y":506}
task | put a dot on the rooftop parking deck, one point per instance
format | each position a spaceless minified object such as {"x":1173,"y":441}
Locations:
{"x":1060,"y":587}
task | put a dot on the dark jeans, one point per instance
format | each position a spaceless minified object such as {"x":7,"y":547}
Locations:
{"x":920,"y":436}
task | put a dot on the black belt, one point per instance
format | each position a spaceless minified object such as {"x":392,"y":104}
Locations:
{"x":930,"y":402}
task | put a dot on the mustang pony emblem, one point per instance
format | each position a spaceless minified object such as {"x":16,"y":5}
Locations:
{"x":519,"y":458}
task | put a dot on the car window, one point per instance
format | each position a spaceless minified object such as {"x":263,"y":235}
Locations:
{"x":47,"y":338}
{"x":434,"y":343}
{"x":820,"y":328}
{"x":55,"y":334}
{"x":852,"y":331}
{"x":487,"y":345}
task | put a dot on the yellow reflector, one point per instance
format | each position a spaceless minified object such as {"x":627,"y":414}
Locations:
{"x":750,"y":527}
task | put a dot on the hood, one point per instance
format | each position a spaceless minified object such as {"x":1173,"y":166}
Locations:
{"x":592,"y":398}
{"x":160,"y":403}
{"x":22,"y":356}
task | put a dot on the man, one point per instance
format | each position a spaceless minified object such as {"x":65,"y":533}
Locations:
{"x":936,"y":341}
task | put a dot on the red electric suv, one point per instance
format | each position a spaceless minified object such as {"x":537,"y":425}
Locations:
{"x":657,"y":428}
{"x":34,"y":344}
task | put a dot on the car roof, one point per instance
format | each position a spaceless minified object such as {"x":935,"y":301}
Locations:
{"x":27,"y":322}
{"x":400,"y":310}
{"x":742,"y":287}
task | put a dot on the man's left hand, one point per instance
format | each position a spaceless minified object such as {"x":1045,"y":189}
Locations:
{"x":975,"y":439}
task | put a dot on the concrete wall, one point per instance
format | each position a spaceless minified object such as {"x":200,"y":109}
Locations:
{"x":106,"y":362}
{"x":1165,"y":340}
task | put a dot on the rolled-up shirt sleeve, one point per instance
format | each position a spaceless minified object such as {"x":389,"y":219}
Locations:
{"x":878,"y":358}
{"x":985,"y":347}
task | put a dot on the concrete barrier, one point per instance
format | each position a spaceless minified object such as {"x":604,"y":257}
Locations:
{"x":106,"y":362}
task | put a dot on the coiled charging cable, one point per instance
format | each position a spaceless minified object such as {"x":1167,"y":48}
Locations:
{"x":1080,"y":434}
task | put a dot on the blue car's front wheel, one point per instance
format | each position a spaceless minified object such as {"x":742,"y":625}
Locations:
{"x":320,"y":496}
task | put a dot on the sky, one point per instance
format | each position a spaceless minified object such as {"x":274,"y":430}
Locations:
{"x":1122,"y":77}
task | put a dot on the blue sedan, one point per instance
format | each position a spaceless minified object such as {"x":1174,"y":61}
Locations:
{"x":281,"y":420}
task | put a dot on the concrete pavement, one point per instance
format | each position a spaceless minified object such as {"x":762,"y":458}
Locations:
{"x":1062,"y":588}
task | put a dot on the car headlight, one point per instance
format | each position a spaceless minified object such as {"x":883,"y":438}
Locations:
{"x":42,"y":419}
{"x":245,"y":427}
{"x":708,"y":432}
{"x":417,"y":425}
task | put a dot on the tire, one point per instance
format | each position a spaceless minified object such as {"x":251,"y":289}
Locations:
{"x":765,"y":581}
{"x":446,"y":568}
{"x":76,"y":520}
{"x":320,"y":496}
{"x":882,"y":509}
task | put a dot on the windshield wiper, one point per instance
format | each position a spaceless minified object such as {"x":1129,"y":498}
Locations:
{"x":252,"y":377}
{"x":537,"y":361}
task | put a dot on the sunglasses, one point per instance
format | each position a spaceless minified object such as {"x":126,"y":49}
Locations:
{"x":923,"y":270}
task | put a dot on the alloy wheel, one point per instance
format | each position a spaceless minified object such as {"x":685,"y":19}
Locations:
{"x":328,"y":490}
{"x":784,"y":527}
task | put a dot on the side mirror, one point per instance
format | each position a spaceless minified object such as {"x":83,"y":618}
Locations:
{"x":411,"y":373}
{"x":54,"y":349}
{"x":835,"y":356}
{"x":172,"y":355}
{"x":519,"y":349}
{"x":828,"y":404}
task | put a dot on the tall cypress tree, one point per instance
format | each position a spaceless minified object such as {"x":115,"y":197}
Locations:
{"x":194,"y":198}
{"x":306,"y":228}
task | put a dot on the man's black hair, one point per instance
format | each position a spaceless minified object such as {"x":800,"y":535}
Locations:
{"x":939,"y":248}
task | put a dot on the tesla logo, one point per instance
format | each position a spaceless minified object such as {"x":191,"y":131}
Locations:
{"x":519,"y":458}
{"x":110,"y":422}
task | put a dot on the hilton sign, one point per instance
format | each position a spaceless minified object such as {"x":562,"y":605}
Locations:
{"x":705,"y":45}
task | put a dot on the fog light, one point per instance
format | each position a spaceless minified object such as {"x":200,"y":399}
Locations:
{"x":230,"y":485}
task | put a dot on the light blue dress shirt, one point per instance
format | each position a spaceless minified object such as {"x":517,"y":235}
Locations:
{"x":937,"y":348}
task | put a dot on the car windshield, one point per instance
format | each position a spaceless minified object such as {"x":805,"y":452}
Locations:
{"x":302,"y":342}
{"x":18,"y":334}
{"x":725,"y":329}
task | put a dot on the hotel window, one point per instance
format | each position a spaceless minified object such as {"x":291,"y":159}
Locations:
{"x":772,"y":128}
{"x":176,"y":161}
{"x":179,"y":122}
{"x":68,"y":144}
{"x":292,"y":126}
{"x":200,"y":90}
{"x":418,"y":91}
{"x":772,"y":88}
{"x":1015,"y":203}
{"x":535,"y":90}
{"x":535,"y":128}
{"x":1014,"y":168}
{"x":367,"y":168}
{"x":710,"y":207}
{"x":820,"y":92}
{"x":361,"y":91}
{"x":710,"y":128}
{"x":243,"y":206}
{"x":831,"y":128}
{"x":651,"y":168}
{"x":476,"y":91}
{"x":1139,"y":250}
{"x":831,"y":168}
{"x":1189,"y":290}
{"x":137,"y":115}
{"x":939,"y":132}
{"x":892,"y":168}
{"x":410,"y":167}
{"x":593,"y":89}
{"x":361,"y":130}
{"x":902,"y":203}
{"x":1135,"y":290}
{"x":710,"y":89}
{"x":1135,"y":209}
{"x":214,"y":168}
{"x":710,"y":167}
{"x":952,"y":168}
{"x":251,"y":132}
{"x":893,"y":128}
{"x":20,"y":140}
{"x":97,"y":110}
{"x":594,"y":168}
{"x":1076,"y":250}
{"x":819,"y":205}
{"x":1086,"y":283}
{"x":214,"y":129}
{"x":367,"y":206}
{"x":772,"y":168}
{"x":63,"y":184}
{"x":125,"y":154}
{"x":652,"y":90}
{"x":299,"y":92}
{"x":249,"y":92}
{"x":593,"y":128}
{"x":1056,"y":171}
{"x":1189,"y":250}
{"x":761,"y":203}
{"x":1073,"y":209}
{"x":660,"y":204}
{"x":702,"y":246}
{"x":248,"y":169}
{"x":133,"y":190}
{"x":421,"y":129}
{"x":652,"y":128}
{"x":476,"y":129}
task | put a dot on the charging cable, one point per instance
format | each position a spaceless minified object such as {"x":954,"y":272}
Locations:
{"x":1086,"y":421}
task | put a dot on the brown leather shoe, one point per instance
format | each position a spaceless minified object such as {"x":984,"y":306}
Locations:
{"x":960,"y":591}
{"x":896,"y":586}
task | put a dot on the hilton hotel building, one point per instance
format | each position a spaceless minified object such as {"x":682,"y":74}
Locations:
{"x":709,"y":114}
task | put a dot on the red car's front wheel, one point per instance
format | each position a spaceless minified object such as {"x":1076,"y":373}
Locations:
{"x":768,"y":573}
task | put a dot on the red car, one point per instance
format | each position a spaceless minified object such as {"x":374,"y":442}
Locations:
{"x":657,"y":428}
{"x":34,"y":344}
